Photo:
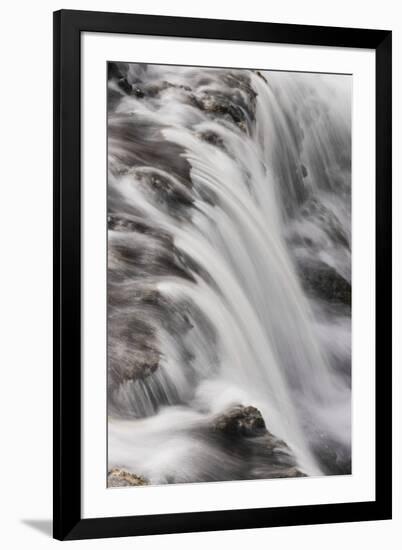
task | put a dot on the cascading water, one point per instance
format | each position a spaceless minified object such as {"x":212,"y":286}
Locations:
{"x":229,"y":273}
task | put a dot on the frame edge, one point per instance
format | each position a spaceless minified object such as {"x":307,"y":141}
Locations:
{"x":67,"y":522}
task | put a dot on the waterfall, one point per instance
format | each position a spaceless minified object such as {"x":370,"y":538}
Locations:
{"x":229,"y":271}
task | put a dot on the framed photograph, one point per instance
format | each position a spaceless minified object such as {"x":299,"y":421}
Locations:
{"x":222,"y":274}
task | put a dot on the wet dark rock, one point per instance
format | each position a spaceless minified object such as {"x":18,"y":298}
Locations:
{"x":125,"y":85}
{"x":242,"y":431}
{"x":113,"y":98}
{"x":240,"y":420}
{"x":113,"y":71}
{"x":212,"y":138}
{"x":132,"y":348}
{"x":137,"y":252}
{"x":259,"y":73}
{"x":324,"y":282}
{"x":143,"y":397}
{"x":332,"y":457}
{"x":133,"y":352}
{"x":146,"y":255}
{"x":167,"y":191}
{"x":117,"y":70}
{"x":334,"y":460}
{"x":317,"y":212}
{"x":240,"y":81}
{"x":141,"y":143}
{"x":128,"y":88}
{"x":146,"y":363}
{"x":137,"y":92}
{"x":121,"y":478}
{"x":192,"y":266}
{"x":119,"y":222}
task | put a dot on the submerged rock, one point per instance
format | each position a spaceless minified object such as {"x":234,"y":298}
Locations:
{"x":324,"y":282}
{"x":138,"y":92}
{"x":212,"y":138}
{"x":125,"y":85}
{"x":304,"y":171}
{"x":121,"y":478}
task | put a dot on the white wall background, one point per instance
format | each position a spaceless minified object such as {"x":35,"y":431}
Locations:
{"x":26,"y":271}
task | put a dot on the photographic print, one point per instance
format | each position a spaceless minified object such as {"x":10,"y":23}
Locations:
{"x":229,"y":274}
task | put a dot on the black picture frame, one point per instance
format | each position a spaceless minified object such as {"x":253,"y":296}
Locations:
{"x":68,"y":26}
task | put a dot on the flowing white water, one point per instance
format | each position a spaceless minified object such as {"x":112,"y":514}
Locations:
{"x":239,"y":240}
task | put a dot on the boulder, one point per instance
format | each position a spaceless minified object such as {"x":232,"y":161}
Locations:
{"x":324,"y":282}
{"x":242,"y":429}
{"x":240,"y":420}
